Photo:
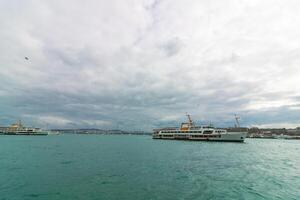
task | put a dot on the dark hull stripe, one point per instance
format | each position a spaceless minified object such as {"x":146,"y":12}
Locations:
{"x":203,"y":139}
{"x":24,"y":134}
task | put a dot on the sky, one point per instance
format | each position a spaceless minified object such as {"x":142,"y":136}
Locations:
{"x":144,"y":64}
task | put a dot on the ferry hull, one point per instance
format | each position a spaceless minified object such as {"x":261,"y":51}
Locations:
{"x":228,"y":137}
{"x":26,"y":134}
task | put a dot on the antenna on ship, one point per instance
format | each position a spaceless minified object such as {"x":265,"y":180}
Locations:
{"x":237,"y":123}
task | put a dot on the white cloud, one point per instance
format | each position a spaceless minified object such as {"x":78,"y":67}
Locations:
{"x":54,"y":120}
{"x":96,"y":123}
{"x":148,"y":60}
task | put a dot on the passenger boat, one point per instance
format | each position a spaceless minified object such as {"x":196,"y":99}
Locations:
{"x":19,"y":129}
{"x":189,"y":131}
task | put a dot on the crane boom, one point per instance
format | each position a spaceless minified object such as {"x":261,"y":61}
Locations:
{"x":190,"y":119}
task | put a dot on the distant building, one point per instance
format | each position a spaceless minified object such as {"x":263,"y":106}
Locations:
{"x":273,"y":131}
{"x":254,"y":130}
{"x":293,"y":131}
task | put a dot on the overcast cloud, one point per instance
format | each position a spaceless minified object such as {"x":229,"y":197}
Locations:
{"x":142,"y":64}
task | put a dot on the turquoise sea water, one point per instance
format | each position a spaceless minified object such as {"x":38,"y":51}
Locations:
{"x":86,"y":167}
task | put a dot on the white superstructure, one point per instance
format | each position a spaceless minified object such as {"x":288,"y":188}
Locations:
{"x":188,"y":131}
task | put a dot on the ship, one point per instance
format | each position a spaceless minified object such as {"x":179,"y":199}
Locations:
{"x":189,"y":131}
{"x":18,"y":129}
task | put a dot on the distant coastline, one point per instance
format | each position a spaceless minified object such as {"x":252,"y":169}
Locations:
{"x":101,"y":131}
{"x":253,"y":132}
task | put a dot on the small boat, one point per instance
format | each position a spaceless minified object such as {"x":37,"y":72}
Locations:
{"x":189,"y":131}
{"x":53,"y":133}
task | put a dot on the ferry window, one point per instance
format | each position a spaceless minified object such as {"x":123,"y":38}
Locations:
{"x":207,"y":132}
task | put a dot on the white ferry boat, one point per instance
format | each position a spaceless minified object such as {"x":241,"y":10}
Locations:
{"x":19,"y":129}
{"x":188,"y":131}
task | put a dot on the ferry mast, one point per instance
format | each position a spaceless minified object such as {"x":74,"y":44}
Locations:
{"x":237,"y":118}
